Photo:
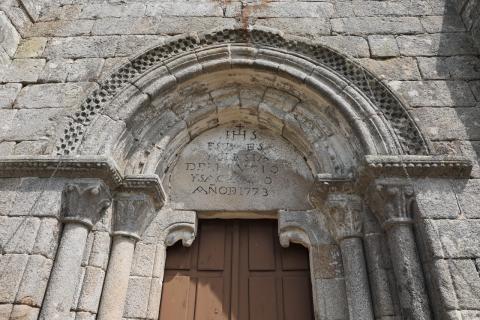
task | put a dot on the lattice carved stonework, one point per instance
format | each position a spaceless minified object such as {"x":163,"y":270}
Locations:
{"x":394,"y":112}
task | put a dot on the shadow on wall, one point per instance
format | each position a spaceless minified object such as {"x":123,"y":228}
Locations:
{"x":453,"y":75}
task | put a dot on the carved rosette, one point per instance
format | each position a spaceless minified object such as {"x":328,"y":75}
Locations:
{"x":392,"y":201}
{"x":133,"y":212}
{"x":344,"y":218}
{"x":85,"y":201}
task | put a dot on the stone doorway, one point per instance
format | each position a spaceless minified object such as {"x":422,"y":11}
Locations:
{"x":236,"y":269}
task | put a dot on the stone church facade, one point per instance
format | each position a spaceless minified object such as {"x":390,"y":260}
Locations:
{"x":148,"y":147}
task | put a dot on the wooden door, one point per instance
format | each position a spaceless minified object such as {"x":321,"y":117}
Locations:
{"x":237,"y":270}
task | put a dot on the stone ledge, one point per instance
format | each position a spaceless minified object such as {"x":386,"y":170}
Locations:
{"x":99,"y":167}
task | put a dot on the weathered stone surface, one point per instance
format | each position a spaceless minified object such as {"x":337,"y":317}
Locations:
{"x":47,"y":237}
{"x":467,"y":283}
{"x":24,"y":312}
{"x":437,"y":24}
{"x":311,"y":27}
{"x":56,"y":70}
{"x":435,"y":93}
{"x":99,"y":10}
{"x":10,"y":37}
{"x":61,"y":28}
{"x":91,"y":289}
{"x":185,"y":9}
{"x":436,"y":199}
{"x":33,"y":124}
{"x":467,"y":194}
{"x":100,"y":250}
{"x":143,"y":260}
{"x":8,"y":94}
{"x":435,"y":44}
{"x":51,"y":11}
{"x":137,"y":297}
{"x":81,"y":47}
{"x":85,"y":70}
{"x":18,"y":234}
{"x":376,"y":25}
{"x":31,"y":48}
{"x":12,"y":266}
{"x":21,"y":70}
{"x":457,"y":237}
{"x":440,"y":123}
{"x":433,"y":68}
{"x":34,"y":281}
{"x":383,"y":46}
{"x":393,"y":69}
{"x":349,"y":45}
{"x":5,"y":311}
{"x":52,"y":95}
{"x":291,"y":9}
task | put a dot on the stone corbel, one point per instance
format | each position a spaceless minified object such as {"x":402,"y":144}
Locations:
{"x":181,"y":227}
{"x":301,"y":227}
{"x":392,"y":202}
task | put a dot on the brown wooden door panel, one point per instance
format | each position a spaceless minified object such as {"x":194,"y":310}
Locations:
{"x":236,"y":270}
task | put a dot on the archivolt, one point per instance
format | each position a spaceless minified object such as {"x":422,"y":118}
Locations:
{"x":380,"y":121}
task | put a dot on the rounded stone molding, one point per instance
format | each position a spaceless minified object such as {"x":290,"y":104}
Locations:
{"x":354,"y":91}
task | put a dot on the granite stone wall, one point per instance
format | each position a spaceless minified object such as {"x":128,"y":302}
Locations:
{"x":54,"y":52}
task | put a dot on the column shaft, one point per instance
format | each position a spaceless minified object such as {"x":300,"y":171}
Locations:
{"x":65,"y":273}
{"x":408,"y":272}
{"x":116,"y":280}
{"x":356,"y":279}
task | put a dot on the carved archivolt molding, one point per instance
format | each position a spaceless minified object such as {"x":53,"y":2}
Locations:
{"x":319,"y":67}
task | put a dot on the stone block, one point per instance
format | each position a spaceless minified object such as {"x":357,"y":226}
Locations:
{"x":5,"y":311}
{"x":132,"y":44}
{"x":85,"y":70}
{"x":55,"y":70}
{"x":349,"y":45}
{"x":47,"y":237}
{"x":61,"y":28}
{"x":154,"y":299}
{"x":307,"y":27}
{"x":464,"y":67}
{"x":466,"y":281}
{"x":34,"y":124}
{"x":35,"y":147}
{"x":31,"y":47}
{"x":440,"y":123}
{"x":143,"y":260}
{"x":288,"y":9}
{"x":8,"y":192}
{"x":438,"y":24}
{"x":10,"y":37}
{"x":52,"y":11}
{"x":41,"y":96}
{"x":24,"y":312}
{"x":125,"y":26}
{"x":376,"y":25}
{"x":475,"y":86}
{"x":184,"y":9}
{"x":136,"y":303}
{"x":468,"y":197}
{"x":96,"y":10}
{"x":393,"y":69}
{"x":82,"y":47}
{"x":332,"y":309}
{"x":8,"y":94}
{"x":383,"y":46}
{"x":12,"y":266}
{"x":436,"y":199}
{"x":32,"y":7}
{"x":91,"y":289}
{"x":396,"y":8}
{"x":458,"y":238}
{"x":470,"y":119}
{"x":171,"y":25}
{"x":34,"y":281}
{"x":18,"y":234}
{"x":85,"y":316}
{"x":469,"y":314}
{"x":433,"y":68}
{"x":38,"y":197}
{"x":21,"y":70}
{"x":435,"y":93}
{"x":100,"y":250}
{"x":6,"y":148}
{"x":443,"y":283}
{"x":447,"y":44}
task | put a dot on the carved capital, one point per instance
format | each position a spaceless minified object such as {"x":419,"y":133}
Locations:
{"x":343,"y":213}
{"x":391,"y":201}
{"x":326,"y":184}
{"x":85,"y":201}
{"x":132,"y":214}
{"x":181,"y":225}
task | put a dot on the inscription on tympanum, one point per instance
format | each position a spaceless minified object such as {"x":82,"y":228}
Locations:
{"x":238,"y":167}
